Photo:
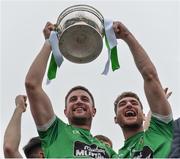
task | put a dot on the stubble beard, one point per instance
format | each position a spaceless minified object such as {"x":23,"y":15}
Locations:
{"x":81,"y":120}
{"x":131,"y":126}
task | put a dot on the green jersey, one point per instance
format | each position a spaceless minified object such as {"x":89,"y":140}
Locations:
{"x":153,"y":143}
{"x":61,"y":140}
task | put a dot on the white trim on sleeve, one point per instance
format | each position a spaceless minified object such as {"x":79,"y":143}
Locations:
{"x":47,"y":125}
{"x":164,"y":118}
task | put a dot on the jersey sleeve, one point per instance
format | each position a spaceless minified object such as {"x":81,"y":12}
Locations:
{"x":161,"y":128}
{"x":49,"y":135}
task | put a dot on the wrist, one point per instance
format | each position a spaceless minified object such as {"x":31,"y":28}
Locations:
{"x":47,"y":43}
{"x":19,"y":108}
{"x":128,"y":37}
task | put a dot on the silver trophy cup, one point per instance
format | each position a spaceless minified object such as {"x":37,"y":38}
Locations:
{"x":80,"y":32}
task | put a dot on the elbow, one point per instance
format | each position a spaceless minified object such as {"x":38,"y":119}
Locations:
{"x":8,"y":149}
{"x":149,"y":74}
{"x":30,"y":83}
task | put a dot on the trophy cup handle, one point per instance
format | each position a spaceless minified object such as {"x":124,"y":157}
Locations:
{"x":58,"y":29}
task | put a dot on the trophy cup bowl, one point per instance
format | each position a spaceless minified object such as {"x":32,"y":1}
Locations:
{"x":80,"y":33}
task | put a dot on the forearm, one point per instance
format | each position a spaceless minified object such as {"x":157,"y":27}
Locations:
{"x":142,"y":60}
{"x":40,"y":104}
{"x":38,"y":67}
{"x":12,"y":135}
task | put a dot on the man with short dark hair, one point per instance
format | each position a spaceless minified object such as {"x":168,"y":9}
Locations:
{"x":33,"y":148}
{"x":104,"y":139}
{"x":155,"y":142}
{"x":60,"y":140}
{"x":12,"y":135}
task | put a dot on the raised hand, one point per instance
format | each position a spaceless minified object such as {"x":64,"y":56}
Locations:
{"x":120,"y":30}
{"x":47,"y":29}
{"x":168,"y":94}
{"x":20,"y":102}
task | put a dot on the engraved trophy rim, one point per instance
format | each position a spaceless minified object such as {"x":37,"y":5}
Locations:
{"x":83,"y":7}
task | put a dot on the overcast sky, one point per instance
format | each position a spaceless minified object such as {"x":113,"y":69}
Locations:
{"x":154,"y":24}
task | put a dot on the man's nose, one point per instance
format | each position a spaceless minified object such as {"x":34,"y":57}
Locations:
{"x":129,"y":105}
{"x":79,"y":101}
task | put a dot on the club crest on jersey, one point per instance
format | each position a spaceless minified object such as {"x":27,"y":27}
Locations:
{"x":146,"y":152}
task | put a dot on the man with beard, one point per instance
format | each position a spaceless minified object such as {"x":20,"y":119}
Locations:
{"x":155,"y":142}
{"x":60,"y":140}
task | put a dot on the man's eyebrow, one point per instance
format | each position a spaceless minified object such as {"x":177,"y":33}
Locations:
{"x":124,"y":101}
{"x":85,"y":96}
{"x":134,"y":100}
{"x":72,"y":97}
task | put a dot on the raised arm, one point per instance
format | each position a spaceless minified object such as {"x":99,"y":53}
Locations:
{"x":152,"y":86}
{"x":40,"y":104}
{"x":12,"y":134}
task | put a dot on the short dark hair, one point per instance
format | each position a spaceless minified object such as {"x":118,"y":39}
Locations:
{"x":30,"y":150}
{"x":126,"y":94}
{"x":79,"y":88}
{"x":104,"y":138}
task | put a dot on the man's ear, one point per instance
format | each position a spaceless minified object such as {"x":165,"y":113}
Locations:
{"x":65,"y":111}
{"x":144,"y":117}
{"x":115,"y":120}
{"x":94,"y":111}
{"x":41,"y":154}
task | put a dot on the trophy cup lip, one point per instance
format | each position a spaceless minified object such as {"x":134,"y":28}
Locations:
{"x":80,"y":7}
